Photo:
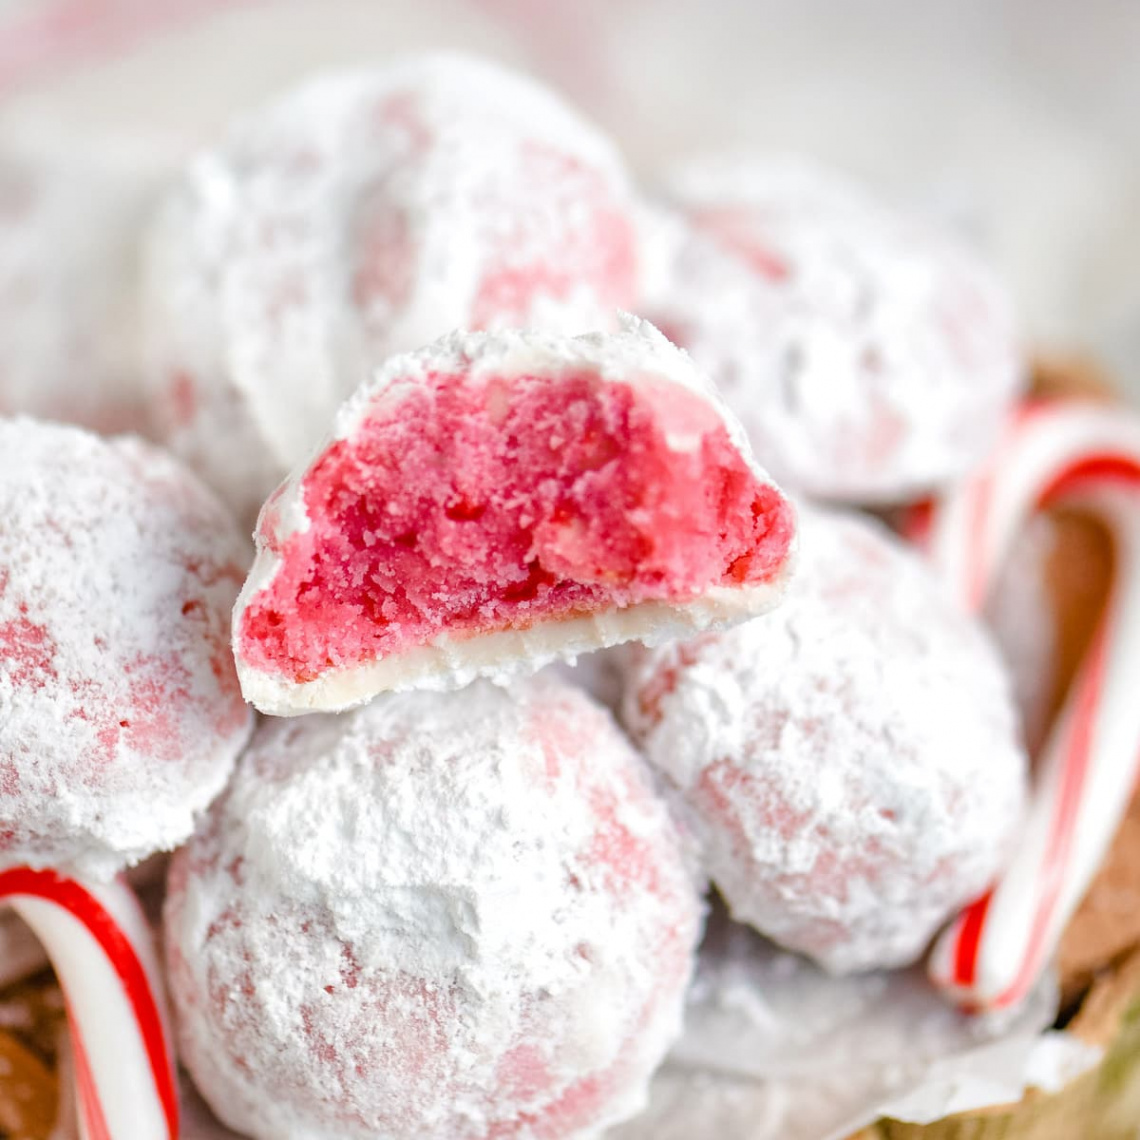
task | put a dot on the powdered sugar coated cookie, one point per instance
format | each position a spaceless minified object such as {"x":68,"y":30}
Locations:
{"x":849,"y":762}
{"x":455,"y":916}
{"x":363,"y":214}
{"x":120,"y":712}
{"x":871,"y":357}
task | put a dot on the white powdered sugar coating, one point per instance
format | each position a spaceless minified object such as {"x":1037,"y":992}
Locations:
{"x":365,"y":214}
{"x":850,"y":762}
{"x":454,"y":917}
{"x":120,"y":713}
{"x":636,"y":354}
{"x":70,"y":227}
{"x":871,"y":357}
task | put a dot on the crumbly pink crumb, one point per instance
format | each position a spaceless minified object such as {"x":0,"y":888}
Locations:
{"x":469,"y":508}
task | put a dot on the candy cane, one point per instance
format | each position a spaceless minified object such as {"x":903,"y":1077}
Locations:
{"x":103,"y":952}
{"x":1086,"y":455}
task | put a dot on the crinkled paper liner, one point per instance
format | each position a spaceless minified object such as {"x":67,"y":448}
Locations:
{"x":692,"y":1103}
{"x":879,"y":1058}
{"x":1102,"y":1103}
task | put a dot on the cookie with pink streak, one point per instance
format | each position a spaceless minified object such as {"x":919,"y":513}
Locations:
{"x":122,"y":714}
{"x":71,"y":222}
{"x":849,"y":763}
{"x":363,"y":214}
{"x":450,"y":916}
{"x":494,"y":502}
{"x":871,"y":357}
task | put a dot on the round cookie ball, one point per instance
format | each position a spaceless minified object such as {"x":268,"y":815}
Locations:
{"x":849,"y":763}
{"x":496,"y":501}
{"x":364,"y":214}
{"x":871,"y":357}
{"x":442,"y":916}
{"x":120,"y":711}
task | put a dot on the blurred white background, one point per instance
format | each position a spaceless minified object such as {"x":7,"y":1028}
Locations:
{"x":1020,"y":117}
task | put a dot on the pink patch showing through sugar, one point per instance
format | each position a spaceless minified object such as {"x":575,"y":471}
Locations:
{"x":736,"y":229}
{"x":472,"y":508}
{"x":744,"y":804}
{"x":624,"y":862}
{"x":182,"y":398}
{"x":386,"y":265}
{"x":599,"y":252}
{"x":664,"y":680}
{"x":27,"y":651}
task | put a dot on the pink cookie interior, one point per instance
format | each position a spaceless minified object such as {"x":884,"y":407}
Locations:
{"x":476,"y":507}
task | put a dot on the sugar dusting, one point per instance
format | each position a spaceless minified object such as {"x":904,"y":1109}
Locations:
{"x":445,"y":916}
{"x":850,"y":762}
{"x":871,"y":357}
{"x":120,"y":712}
{"x":365,"y":214}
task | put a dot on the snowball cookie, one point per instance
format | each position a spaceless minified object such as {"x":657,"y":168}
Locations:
{"x":363,"y":214}
{"x":71,"y":222}
{"x":120,"y":712}
{"x":871,"y":357}
{"x":849,"y":763}
{"x":442,"y":916}
{"x":499,"y":500}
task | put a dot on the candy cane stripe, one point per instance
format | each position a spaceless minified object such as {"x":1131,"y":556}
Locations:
{"x":90,"y":1107}
{"x":993,"y":954}
{"x":74,"y":899}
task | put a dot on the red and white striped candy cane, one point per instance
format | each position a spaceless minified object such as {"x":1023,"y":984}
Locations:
{"x":103,"y":952}
{"x":1086,"y":455}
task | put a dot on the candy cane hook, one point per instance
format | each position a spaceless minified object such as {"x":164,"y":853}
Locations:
{"x":103,"y":952}
{"x":1087,"y":456}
